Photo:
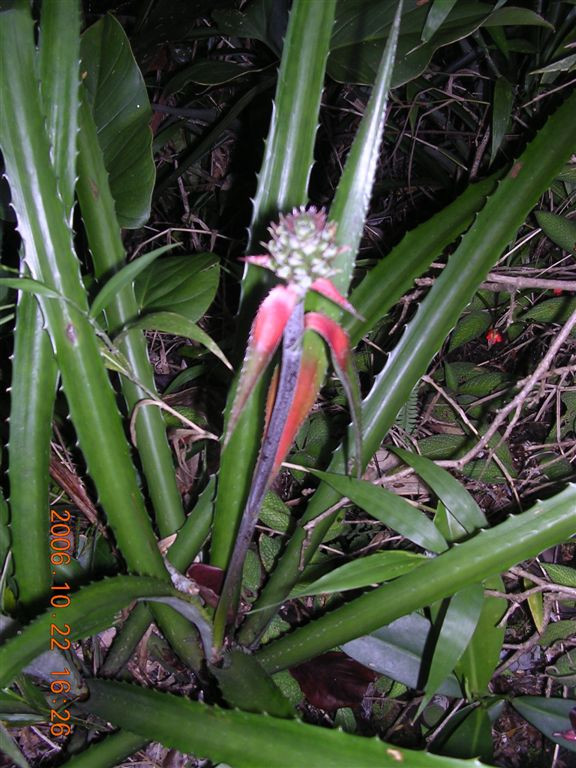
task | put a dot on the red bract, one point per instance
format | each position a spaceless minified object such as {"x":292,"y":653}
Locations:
{"x":310,"y":380}
{"x":327,"y":289}
{"x":265,"y":336}
{"x":339,"y":344}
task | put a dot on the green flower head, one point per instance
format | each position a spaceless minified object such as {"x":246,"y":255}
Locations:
{"x":303,"y":247}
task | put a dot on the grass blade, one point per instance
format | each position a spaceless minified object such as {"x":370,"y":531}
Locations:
{"x":452,"y":493}
{"x":389,"y":508}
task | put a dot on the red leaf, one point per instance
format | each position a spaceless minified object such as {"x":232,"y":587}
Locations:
{"x":326,"y":288}
{"x":265,"y":336}
{"x":209,"y":579}
{"x":333,"y":680}
{"x":335,"y":336}
{"x":339,"y":343}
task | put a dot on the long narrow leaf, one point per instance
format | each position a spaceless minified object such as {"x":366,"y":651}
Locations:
{"x":363,"y":572}
{"x":34,"y":373}
{"x":91,"y":609}
{"x":251,"y":741}
{"x":287,"y":163}
{"x":455,"y":497}
{"x":33,"y":390}
{"x":124,"y":277}
{"x":111,"y":750}
{"x":495,"y":226}
{"x":350,"y":206}
{"x":98,"y":211}
{"x":263,"y":695}
{"x":389,"y":508}
{"x":482,"y":655}
{"x":488,"y":553}
{"x":170,"y":322}
{"x":59,"y":62}
{"x":28,"y":285}
{"x":412,"y":257}
{"x":458,"y":626}
{"x":195,"y":530}
{"x":126,"y":641}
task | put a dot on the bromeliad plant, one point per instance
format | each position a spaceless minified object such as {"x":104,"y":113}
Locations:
{"x":62,"y":144}
{"x":301,"y":252}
